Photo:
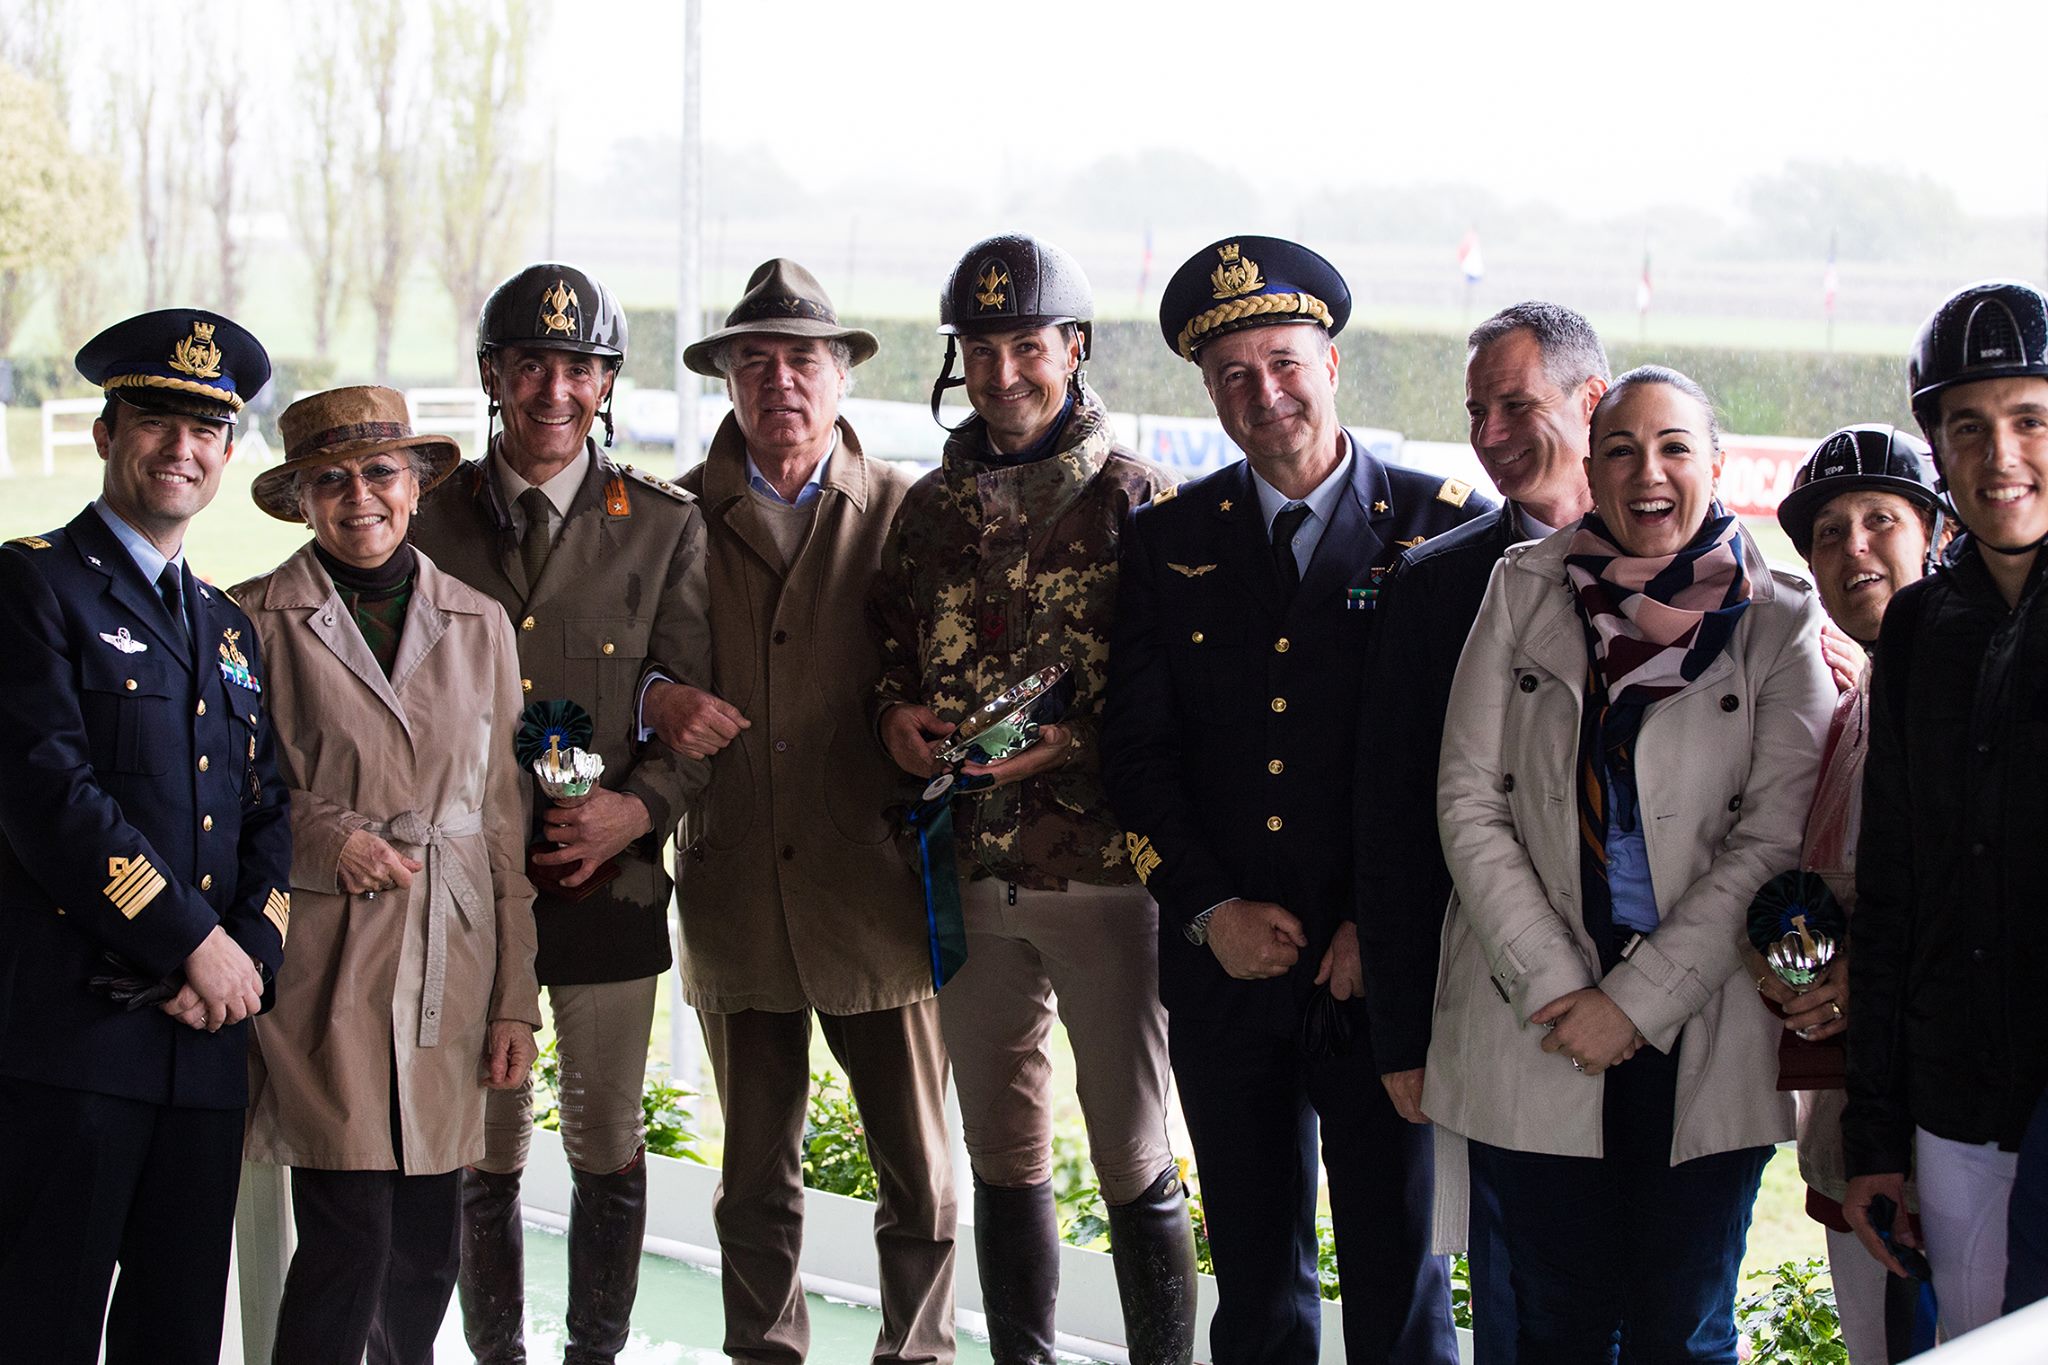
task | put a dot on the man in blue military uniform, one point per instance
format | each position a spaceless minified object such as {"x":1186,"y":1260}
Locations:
{"x":1245,"y":608}
{"x":144,"y":874}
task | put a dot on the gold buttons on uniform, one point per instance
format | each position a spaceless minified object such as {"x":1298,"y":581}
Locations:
{"x":206,"y":882}
{"x":207,"y":824}
{"x":1196,"y":637}
{"x":202,"y":707}
{"x":1276,"y":767}
{"x":526,"y":684}
{"x":1282,"y":645}
{"x":203,"y":762}
{"x":1279,"y":703}
{"x":1273,"y":822}
{"x":527,"y":624}
{"x":130,"y":684}
{"x":608,"y":647}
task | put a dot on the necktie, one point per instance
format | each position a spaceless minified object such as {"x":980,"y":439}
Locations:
{"x":1285,"y":527}
{"x":533,"y":550}
{"x":170,"y":585}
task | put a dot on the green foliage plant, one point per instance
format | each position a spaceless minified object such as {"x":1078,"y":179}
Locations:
{"x":1792,"y":1320}
{"x":836,"y":1157}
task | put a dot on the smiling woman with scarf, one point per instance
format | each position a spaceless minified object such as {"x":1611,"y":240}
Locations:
{"x":1628,"y":757}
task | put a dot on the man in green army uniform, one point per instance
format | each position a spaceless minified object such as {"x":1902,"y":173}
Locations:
{"x":1002,"y":562}
{"x":601,"y":569}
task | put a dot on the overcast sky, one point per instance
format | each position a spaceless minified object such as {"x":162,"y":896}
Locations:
{"x":1603,"y":109}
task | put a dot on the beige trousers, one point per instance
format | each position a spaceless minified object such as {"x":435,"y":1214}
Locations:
{"x":601,"y":1034}
{"x":896,"y":1066}
{"x":1095,"y":951}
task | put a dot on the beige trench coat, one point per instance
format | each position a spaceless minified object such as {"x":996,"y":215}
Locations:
{"x":1725,"y":771}
{"x":357,"y":993}
{"x":796,"y":893}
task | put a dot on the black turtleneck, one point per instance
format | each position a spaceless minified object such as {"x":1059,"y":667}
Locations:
{"x":377,"y":598}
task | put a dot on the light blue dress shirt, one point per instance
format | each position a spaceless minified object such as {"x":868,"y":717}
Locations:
{"x":147,"y":557}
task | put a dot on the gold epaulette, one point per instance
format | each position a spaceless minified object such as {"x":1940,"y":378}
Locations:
{"x":1454,"y":492}
{"x":30,"y":542}
{"x":1165,"y":495}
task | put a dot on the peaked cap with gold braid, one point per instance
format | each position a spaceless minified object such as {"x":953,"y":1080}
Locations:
{"x":1243,"y":282}
{"x":182,"y":360}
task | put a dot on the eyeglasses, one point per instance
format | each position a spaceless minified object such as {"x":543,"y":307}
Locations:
{"x":334,"y":481}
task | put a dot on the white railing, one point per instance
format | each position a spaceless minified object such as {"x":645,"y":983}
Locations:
{"x":61,"y":427}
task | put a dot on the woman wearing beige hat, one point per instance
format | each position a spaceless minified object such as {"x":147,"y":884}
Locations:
{"x":408,"y":987}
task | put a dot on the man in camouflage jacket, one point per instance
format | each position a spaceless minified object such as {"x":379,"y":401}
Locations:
{"x":1003,"y":561}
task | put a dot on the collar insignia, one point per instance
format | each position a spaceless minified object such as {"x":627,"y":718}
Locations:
{"x":121,"y":640}
{"x":1224,"y":506}
{"x":1236,"y":275}
{"x":1380,"y":505}
{"x":559,"y":310}
{"x":196,"y":355}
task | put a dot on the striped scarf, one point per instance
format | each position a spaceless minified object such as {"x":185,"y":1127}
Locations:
{"x":1652,"y":626}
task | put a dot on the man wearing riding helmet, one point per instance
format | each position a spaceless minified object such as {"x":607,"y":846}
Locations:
{"x":1864,"y":515}
{"x":601,"y":569}
{"x":1003,"y":562}
{"x":1948,"y":1041}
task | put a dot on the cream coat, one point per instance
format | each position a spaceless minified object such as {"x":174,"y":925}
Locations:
{"x":357,"y":749}
{"x":796,"y":894}
{"x":1725,"y":769}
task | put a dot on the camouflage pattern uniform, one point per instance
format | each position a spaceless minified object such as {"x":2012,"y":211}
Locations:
{"x":992,"y":572}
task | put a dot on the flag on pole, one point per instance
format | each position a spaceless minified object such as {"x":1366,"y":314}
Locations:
{"x":1145,"y":268}
{"x":1643,"y":283}
{"x":1469,"y":259}
{"x":1829,"y":282}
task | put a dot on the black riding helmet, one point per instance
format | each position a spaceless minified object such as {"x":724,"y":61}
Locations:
{"x":1006,"y":283}
{"x":1994,"y":329}
{"x":1870,"y":455}
{"x":551,"y":306}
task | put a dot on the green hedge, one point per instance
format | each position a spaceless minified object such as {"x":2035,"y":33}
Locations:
{"x":1410,"y":382}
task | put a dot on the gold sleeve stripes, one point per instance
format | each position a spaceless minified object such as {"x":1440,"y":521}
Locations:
{"x":134,"y":884}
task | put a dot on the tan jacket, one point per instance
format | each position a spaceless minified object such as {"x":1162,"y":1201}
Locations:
{"x":796,"y":894}
{"x":1725,"y":769}
{"x":622,"y":592}
{"x":359,"y":984}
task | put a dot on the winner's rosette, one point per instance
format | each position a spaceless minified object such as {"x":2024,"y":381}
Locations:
{"x":1002,"y":727}
{"x":550,"y":742}
{"x":1798,"y":926}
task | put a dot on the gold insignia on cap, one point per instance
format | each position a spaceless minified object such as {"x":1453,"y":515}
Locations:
{"x":134,"y":885}
{"x":1454,"y":492}
{"x":1144,"y":858}
{"x":556,"y":307}
{"x":278,"y":910}
{"x":1190,"y":570}
{"x":196,"y":355}
{"x":1238,"y":274}
{"x":992,"y":280}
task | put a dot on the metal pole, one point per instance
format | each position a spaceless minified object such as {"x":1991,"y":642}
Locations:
{"x":682,"y":1032}
{"x":690,"y":228}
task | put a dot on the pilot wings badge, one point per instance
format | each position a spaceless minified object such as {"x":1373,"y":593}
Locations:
{"x":122,"y":641}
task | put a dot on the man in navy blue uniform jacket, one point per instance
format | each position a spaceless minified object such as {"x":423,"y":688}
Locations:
{"x":1245,"y":608}
{"x":144,"y":874}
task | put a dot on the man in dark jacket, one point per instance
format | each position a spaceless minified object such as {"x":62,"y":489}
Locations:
{"x":1948,"y":1039}
{"x":145,"y":874}
{"x":1533,"y":373}
{"x":1244,"y":613}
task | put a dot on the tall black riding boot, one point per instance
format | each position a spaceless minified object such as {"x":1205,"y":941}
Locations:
{"x":1017,"y":1244}
{"x":607,"y":1220}
{"x":1152,"y":1244}
{"x":492,"y":1280}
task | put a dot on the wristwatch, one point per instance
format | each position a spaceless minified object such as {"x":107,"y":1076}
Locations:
{"x":1197,"y":929}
